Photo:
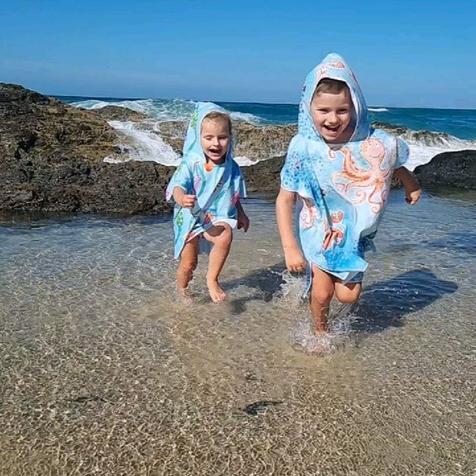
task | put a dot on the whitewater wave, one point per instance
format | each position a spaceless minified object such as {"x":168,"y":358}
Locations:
{"x":162,"y":109}
{"x":424,"y":145}
{"x":158,"y":109}
{"x":143,"y":140}
{"x":377,"y":109}
{"x":144,"y":145}
{"x":246,"y":117}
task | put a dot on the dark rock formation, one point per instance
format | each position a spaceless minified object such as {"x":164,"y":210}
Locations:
{"x":451,"y":169}
{"x":264,"y":176}
{"x":117,"y":113}
{"x":51,"y":158}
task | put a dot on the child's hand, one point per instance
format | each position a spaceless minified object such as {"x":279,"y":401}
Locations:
{"x":412,"y":196}
{"x":410,"y":184}
{"x":188,"y":201}
{"x":294,"y":260}
{"x":243,"y":222}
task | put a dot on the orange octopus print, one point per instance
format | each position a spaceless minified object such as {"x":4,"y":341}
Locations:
{"x":368,"y":184}
{"x":309,"y":214}
{"x":334,"y":234}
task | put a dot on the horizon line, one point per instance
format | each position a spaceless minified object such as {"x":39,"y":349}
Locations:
{"x":241,"y":102}
{"x":115,"y":98}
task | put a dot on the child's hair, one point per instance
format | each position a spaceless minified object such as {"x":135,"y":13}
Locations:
{"x":219,"y":116}
{"x":328,"y":85}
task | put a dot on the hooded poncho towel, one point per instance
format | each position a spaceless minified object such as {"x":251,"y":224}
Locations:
{"x":218,"y":188}
{"x":343,"y":189}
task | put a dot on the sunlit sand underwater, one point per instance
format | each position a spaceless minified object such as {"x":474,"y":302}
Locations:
{"x":104,"y":371}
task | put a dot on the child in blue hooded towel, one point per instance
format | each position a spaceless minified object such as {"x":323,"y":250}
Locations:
{"x":206,"y":188}
{"x":341,"y":168}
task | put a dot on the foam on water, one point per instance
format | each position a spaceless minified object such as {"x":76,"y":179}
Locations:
{"x":378,"y":109}
{"x":246,"y":117}
{"x":302,"y":336}
{"x":161,"y":109}
{"x":145,"y":145}
{"x":422,"y":154}
{"x":425,"y":145}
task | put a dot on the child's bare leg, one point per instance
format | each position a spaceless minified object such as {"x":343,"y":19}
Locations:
{"x":187,"y":265}
{"x":348,"y":293}
{"x":221,"y":237}
{"x":322,"y":292}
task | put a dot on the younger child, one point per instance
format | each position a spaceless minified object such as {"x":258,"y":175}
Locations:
{"x":206,"y":187}
{"x":342,"y":169}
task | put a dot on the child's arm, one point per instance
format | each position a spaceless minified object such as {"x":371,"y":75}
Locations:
{"x":243,"y":220}
{"x":183,"y":199}
{"x":284,"y":214}
{"x":410,"y":184}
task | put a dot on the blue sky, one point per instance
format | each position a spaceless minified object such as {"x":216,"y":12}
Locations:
{"x":405,"y":53}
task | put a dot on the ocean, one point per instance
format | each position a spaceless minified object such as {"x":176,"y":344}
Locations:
{"x":428,"y":132}
{"x":460,"y":123}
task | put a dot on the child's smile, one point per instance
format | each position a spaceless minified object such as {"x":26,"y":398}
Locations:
{"x":215,"y":139}
{"x":332,"y":116}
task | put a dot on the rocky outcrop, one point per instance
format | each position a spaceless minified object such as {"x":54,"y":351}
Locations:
{"x":51,"y":158}
{"x":264,"y":176}
{"x":450,"y":169}
{"x":117,"y":113}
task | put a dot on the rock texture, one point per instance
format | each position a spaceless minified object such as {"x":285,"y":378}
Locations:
{"x":117,"y":113}
{"x":51,"y":158}
{"x":451,"y":169}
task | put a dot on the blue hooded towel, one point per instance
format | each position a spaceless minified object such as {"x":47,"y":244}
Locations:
{"x":344,"y":189}
{"x":218,"y":188}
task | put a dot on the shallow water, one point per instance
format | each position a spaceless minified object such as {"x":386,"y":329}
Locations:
{"x":104,"y":371}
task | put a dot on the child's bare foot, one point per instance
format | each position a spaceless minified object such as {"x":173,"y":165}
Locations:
{"x":216,"y":292}
{"x":184,"y":295}
{"x":320,"y":323}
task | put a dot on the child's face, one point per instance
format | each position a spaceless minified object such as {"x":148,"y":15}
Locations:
{"x":332,"y":116}
{"x":215,"y":138}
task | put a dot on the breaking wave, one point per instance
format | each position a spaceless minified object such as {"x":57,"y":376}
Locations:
{"x":161,"y":109}
{"x":424,"y":145}
{"x":143,"y":140}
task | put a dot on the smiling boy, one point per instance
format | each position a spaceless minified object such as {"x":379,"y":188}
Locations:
{"x":341,"y":168}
